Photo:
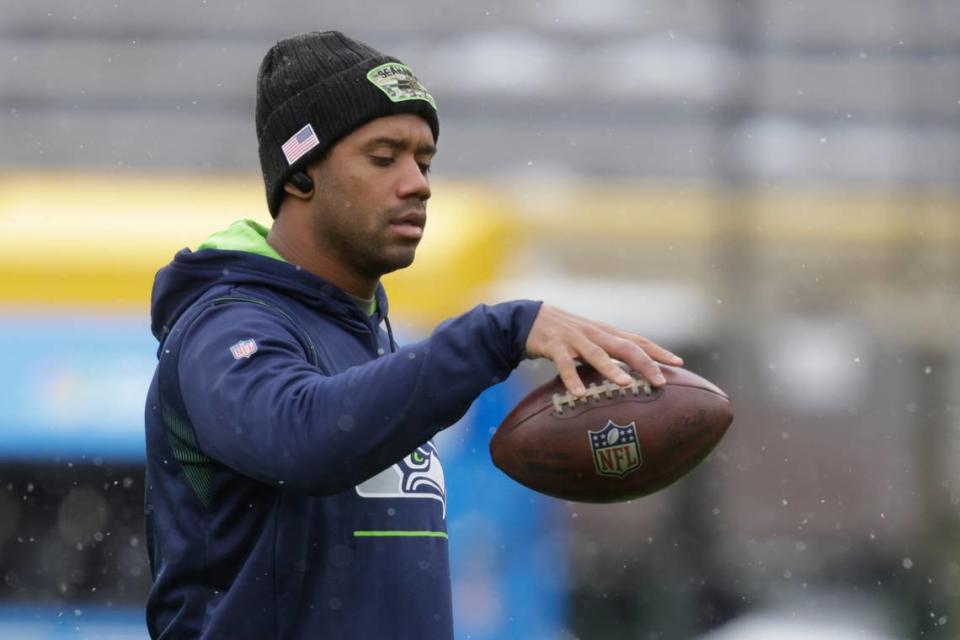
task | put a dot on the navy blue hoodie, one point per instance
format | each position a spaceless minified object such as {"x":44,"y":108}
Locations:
{"x":292,"y":487}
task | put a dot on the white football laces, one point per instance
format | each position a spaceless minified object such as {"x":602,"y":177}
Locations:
{"x":596,"y":392}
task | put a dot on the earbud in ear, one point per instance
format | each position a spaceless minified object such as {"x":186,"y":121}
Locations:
{"x":302,"y":181}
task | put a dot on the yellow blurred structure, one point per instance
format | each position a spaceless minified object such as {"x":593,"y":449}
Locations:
{"x":96,"y":240}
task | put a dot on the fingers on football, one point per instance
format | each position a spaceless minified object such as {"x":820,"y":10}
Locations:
{"x":600,"y":330}
{"x":652,"y":349}
{"x":567,"y":370}
{"x":600,"y":354}
{"x":658,"y":353}
{"x":635,"y":357}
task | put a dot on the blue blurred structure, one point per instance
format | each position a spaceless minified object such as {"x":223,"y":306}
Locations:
{"x":508,"y":562}
{"x":73,"y":622}
{"x":74,"y":387}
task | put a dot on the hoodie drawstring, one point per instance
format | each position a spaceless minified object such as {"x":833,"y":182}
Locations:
{"x":393,"y":344}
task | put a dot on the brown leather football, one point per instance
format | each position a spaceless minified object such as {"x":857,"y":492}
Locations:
{"x":616,"y":443}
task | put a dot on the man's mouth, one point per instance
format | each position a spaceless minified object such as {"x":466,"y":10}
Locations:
{"x":410,"y":224}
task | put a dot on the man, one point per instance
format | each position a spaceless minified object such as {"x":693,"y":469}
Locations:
{"x":292,"y":487}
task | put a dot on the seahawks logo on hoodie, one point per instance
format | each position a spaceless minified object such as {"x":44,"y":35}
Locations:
{"x":419,"y":475}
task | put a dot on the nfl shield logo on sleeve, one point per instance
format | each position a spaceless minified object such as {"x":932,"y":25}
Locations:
{"x":244,"y":349}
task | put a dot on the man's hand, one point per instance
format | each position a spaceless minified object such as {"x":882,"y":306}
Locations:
{"x":563,"y":338}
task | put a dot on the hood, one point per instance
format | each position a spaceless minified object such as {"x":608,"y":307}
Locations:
{"x":240,"y":255}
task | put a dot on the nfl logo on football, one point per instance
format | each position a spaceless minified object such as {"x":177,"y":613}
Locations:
{"x":615,"y":449}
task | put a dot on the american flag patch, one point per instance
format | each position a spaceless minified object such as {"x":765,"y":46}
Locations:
{"x":244,"y":349}
{"x":301,"y":142}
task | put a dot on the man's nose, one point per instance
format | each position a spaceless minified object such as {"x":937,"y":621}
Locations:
{"x":414,"y":182}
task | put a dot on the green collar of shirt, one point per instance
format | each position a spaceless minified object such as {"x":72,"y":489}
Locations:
{"x":251,"y":236}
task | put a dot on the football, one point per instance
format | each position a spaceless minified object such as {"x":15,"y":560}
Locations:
{"x":614,"y":444}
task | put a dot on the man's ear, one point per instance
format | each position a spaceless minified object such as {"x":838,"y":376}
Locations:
{"x":300,"y":186}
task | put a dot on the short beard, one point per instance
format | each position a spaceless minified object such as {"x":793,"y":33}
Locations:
{"x":352,"y":248}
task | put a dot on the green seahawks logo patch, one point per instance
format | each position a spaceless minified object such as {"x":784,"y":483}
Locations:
{"x":398,"y":83}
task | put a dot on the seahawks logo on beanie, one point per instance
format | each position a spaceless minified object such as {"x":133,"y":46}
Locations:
{"x":398,"y":83}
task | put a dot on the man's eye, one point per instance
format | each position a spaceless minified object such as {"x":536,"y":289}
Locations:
{"x":424,"y":168}
{"x":381,"y":161}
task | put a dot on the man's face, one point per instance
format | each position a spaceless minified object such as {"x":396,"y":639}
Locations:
{"x":370,"y":195}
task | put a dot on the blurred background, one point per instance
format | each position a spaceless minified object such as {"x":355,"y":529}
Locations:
{"x":770,"y":188}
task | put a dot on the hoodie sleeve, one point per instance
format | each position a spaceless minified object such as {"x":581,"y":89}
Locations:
{"x":273,"y":416}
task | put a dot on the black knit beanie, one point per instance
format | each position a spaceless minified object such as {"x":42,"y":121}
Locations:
{"x":315,"y":88}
